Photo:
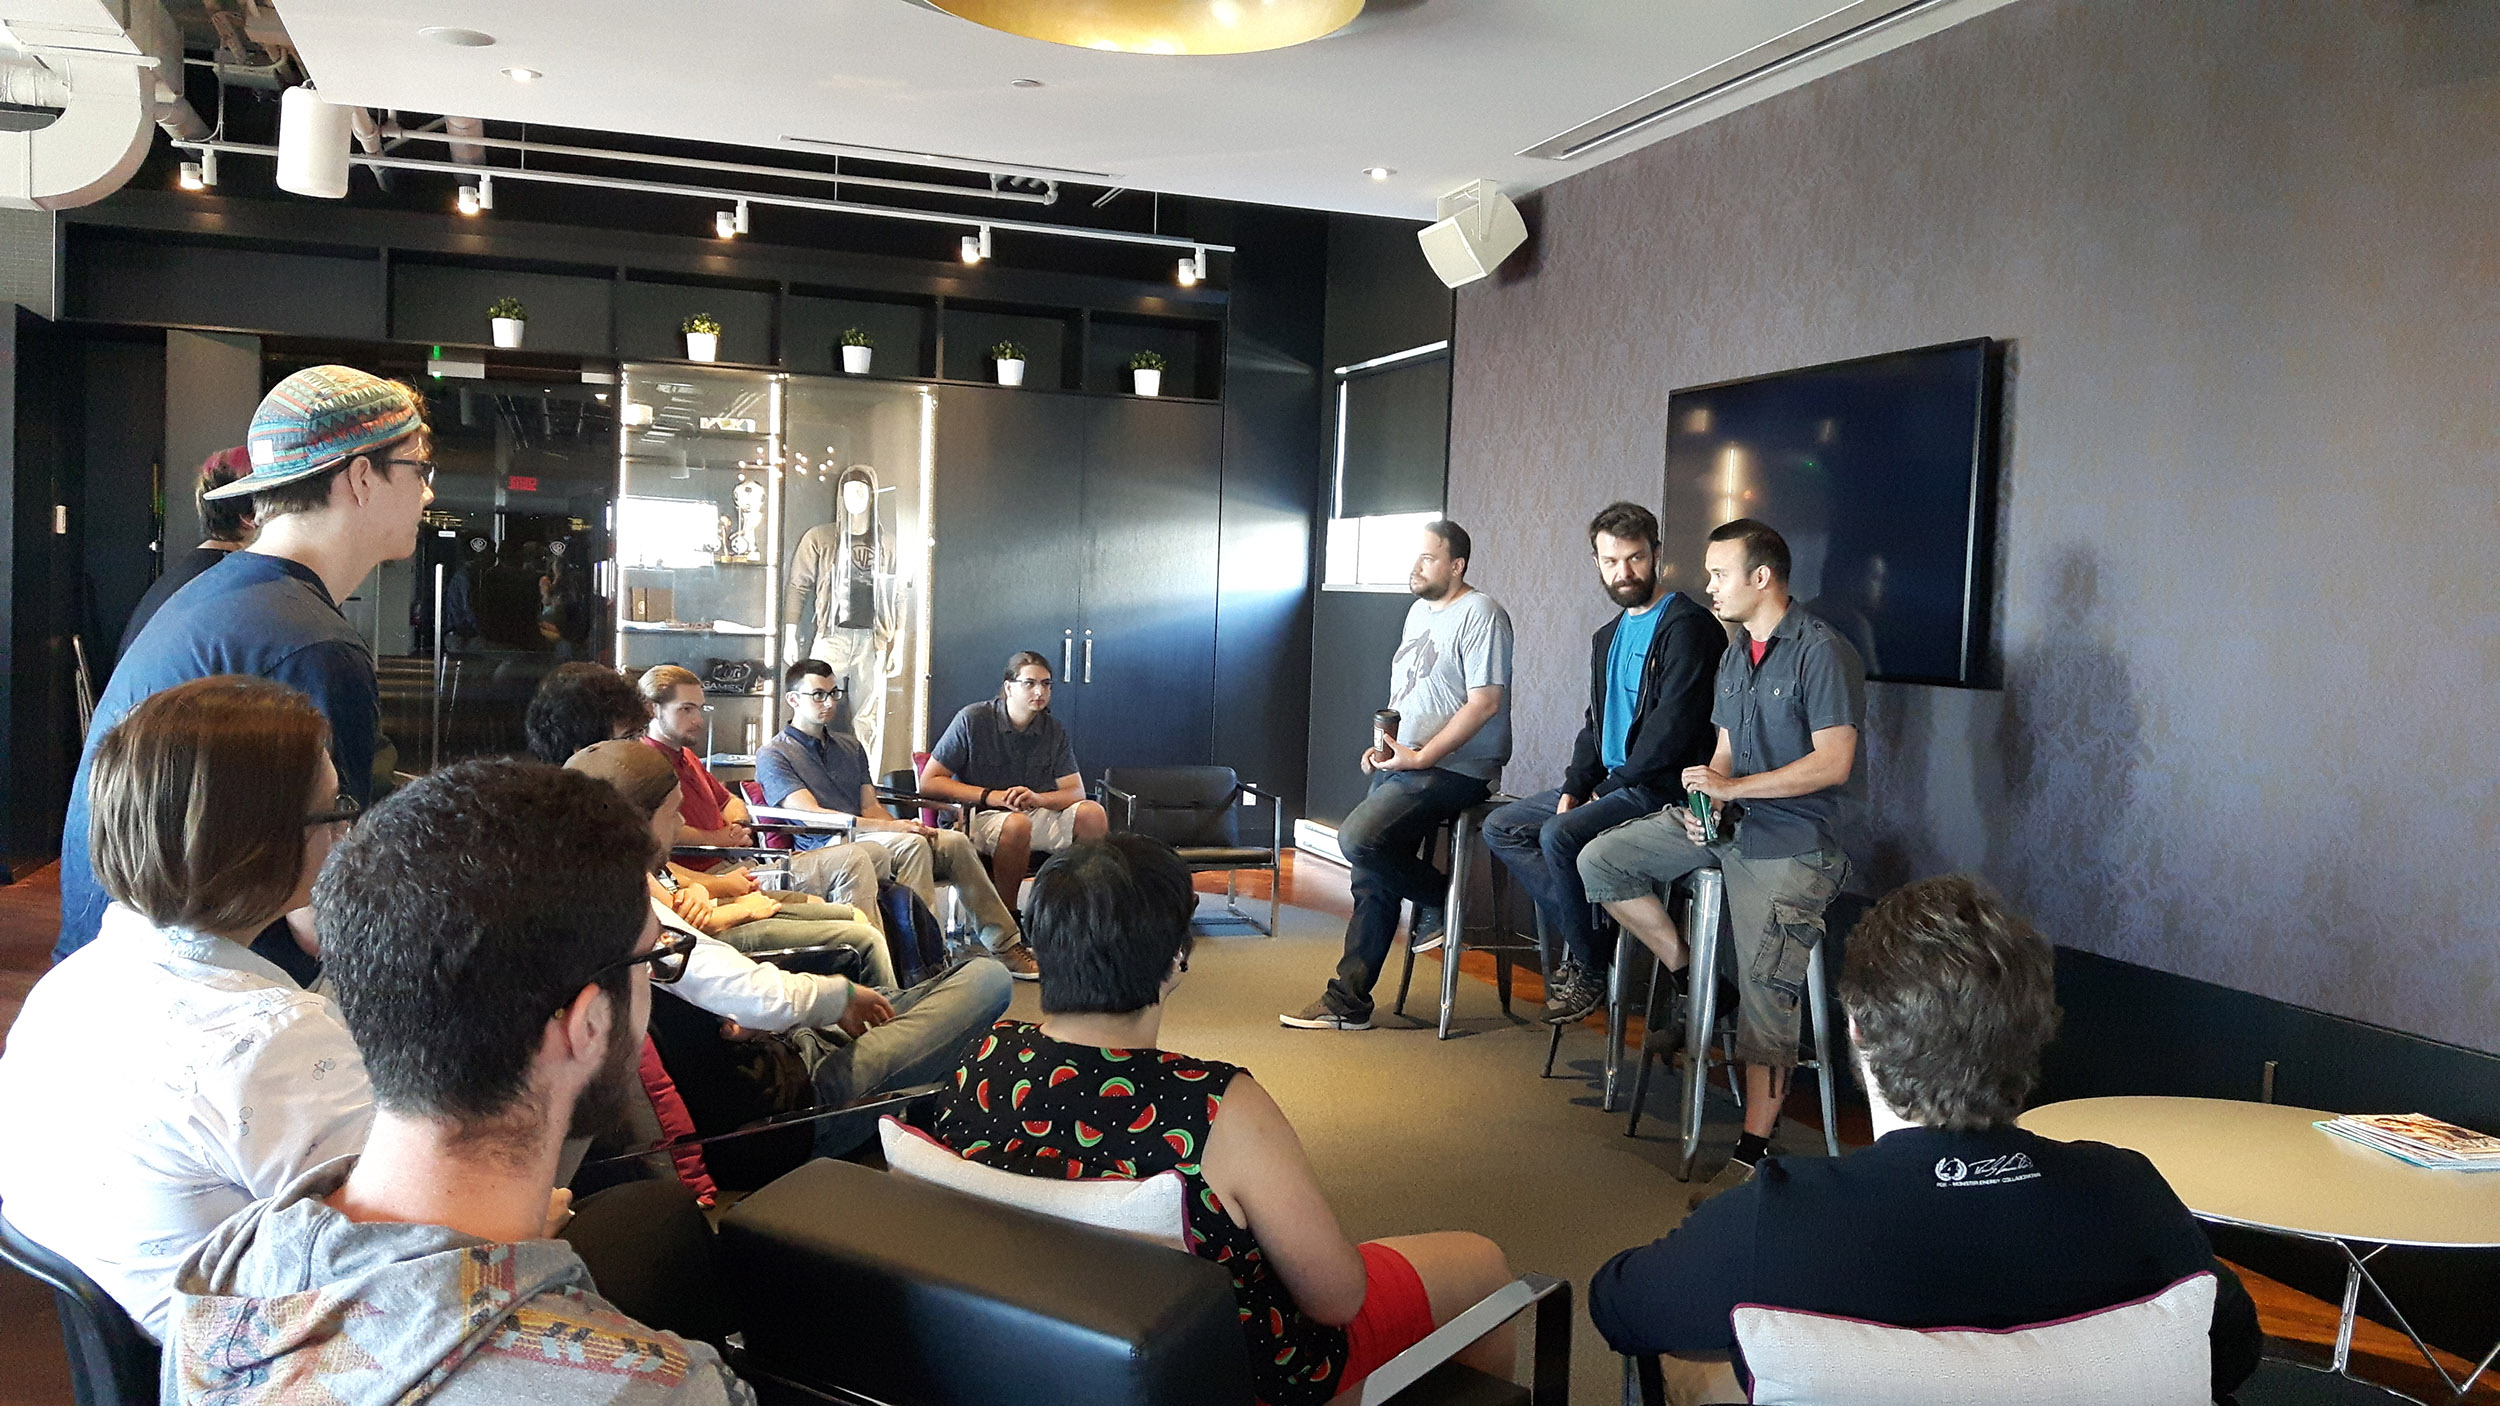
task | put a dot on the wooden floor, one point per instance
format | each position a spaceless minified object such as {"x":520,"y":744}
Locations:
{"x":33,"y":1371}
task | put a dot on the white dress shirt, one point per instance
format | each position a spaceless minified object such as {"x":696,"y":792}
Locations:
{"x":156,"y":1082}
{"x":758,"y":995}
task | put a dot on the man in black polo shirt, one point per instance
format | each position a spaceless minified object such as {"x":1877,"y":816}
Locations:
{"x":1791,"y":698}
{"x":1010,"y":757}
{"x":1955,"y":1218}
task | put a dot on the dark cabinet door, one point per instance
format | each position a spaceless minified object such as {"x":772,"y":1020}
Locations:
{"x":1010,"y":533}
{"x":1153,"y":481}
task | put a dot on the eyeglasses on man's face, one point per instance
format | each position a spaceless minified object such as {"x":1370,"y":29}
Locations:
{"x":667,"y":960}
{"x":342,"y":811}
{"x":424,"y":468}
{"x":816,"y":695}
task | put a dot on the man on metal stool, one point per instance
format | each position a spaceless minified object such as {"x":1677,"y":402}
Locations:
{"x":1650,"y":674}
{"x":1791,"y":701}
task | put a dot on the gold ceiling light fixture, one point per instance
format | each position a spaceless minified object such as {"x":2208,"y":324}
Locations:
{"x":1162,"y":26}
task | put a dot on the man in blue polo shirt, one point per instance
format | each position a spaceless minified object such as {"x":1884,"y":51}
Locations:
{"x":813,"y":765}
{"x":341,"y":476}
{"x":1791,"y":703}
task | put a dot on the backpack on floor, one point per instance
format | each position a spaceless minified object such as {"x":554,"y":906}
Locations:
{"x":912,"y":932}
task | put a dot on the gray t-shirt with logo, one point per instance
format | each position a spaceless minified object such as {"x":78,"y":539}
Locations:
{"x":1443,"y":653}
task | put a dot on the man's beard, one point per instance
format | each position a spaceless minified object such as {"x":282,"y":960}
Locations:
{"x":601,"y":1108}
{"x":1632,"y":591}
{"x":1426,"y":591}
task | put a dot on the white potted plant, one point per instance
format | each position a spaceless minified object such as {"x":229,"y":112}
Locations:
{"x":1010,"y":359}
{"x":857,"y":348}
{"x":702,"y":337}
{"x":509,"y":319}
{"x":1146,"y":369}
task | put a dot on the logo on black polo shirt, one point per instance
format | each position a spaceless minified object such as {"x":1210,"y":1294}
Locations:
{"x":1988,"y":1171}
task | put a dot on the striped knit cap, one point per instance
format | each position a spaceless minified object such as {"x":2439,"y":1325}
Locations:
{"x":317,"y":419}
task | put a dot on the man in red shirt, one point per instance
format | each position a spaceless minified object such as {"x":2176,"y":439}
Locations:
{"x":713,"y":815}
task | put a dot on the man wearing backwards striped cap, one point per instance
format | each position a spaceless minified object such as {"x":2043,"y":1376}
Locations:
{"x":340,"y":479}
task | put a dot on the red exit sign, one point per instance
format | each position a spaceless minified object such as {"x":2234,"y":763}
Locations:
{"x":522,"y":484}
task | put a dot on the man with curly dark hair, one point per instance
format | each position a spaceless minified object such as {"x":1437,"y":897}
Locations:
{"x":1956,"y":1217}
{"x":578,"y":704}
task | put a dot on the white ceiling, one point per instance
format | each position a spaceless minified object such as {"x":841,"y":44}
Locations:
{"x":1442,"y":91}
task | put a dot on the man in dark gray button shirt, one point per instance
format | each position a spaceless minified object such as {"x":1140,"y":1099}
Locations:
{"x":1791,"y":701}
{"x":1012,"y":759}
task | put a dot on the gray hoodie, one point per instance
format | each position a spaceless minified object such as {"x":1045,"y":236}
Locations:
{"x":291,"y":1301}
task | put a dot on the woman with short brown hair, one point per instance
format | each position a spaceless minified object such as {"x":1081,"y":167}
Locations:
{"x":165,"y":1075}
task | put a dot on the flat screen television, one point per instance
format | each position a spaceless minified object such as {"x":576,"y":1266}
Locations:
{"x":1881,"y":473}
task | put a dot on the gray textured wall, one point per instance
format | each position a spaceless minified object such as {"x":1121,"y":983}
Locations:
{"x":2248,"y":256}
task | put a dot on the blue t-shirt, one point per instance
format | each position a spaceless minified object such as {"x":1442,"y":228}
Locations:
{"x":1625,"y":664}
{"x":983,"y":749}
{"x":832,"y":768}
{"x":249,"y":614}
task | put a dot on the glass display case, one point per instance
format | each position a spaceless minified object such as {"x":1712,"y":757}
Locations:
{"x":763,"y":518}
{"x":698,"y":564}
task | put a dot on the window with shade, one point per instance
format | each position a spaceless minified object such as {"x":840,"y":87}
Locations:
{"x":1392,"y":465}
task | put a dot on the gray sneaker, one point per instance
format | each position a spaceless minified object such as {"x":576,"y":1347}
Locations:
{"x":1576,"y":991}
{"x":1317,"y":1016}
{"x":1426,"y":933}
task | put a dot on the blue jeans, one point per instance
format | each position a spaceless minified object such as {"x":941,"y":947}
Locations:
{"x":1543,"y":852}
{"x":1384,"y":841}
{"x":932,"y":1031}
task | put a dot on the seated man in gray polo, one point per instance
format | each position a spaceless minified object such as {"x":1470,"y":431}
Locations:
{"x":1010,"y":757}
{"x":815,"y":765}
{"x":1791,"y":702}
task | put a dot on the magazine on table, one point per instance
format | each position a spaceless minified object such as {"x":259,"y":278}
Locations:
{"x":2421,"y":1140}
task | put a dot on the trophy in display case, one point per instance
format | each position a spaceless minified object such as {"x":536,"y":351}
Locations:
{"x":744,"y":539}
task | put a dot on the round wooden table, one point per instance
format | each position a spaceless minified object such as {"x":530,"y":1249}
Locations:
{"x":2270,"y":1167}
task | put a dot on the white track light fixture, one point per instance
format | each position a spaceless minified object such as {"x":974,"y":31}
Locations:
{"x":485,"y":192}
{"x":977,"y":246}
{"x":725,"y":224}
{"x":193,"y":178}
{"x":1193,"y":270}
{"x":468,"y":201}
{"x":742,"y":217}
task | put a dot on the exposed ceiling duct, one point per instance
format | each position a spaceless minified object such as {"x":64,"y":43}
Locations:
{"x":114,"y":71}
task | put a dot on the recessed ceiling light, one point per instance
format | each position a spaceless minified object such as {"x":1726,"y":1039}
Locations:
{"x":455,"y":36}
{"x":1379,"y":173}
{"x":523,"y":75}
{"x":1026,"y":83}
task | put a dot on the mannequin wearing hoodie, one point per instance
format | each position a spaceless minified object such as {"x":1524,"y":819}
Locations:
{"x":500,"y":1007}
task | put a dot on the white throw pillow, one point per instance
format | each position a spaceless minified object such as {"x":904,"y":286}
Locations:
{"x":1152,"y":1208}
{"x":2151,"y":1352}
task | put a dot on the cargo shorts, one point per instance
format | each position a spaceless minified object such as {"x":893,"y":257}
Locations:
{"x":1774,"y":920}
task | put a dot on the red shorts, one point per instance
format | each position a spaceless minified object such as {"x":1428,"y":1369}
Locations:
{"x":1396,"y":1314}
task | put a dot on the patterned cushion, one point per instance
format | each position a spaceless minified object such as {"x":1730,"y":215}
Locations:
{"x":1151,"y":1209}
{"x":2150,"y":1352}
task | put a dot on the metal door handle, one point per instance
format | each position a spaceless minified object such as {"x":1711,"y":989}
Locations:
{"x":1089,"y":656}
{"x":1067,"y":653}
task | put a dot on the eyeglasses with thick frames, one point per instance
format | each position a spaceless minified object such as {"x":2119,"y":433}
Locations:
{"x":342,"y":811}
{"x":816,"y":695}
{"x":424,"y":468}
{"x":668,"y":960}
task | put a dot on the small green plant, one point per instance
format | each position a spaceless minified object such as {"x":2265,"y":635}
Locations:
{"x":703,"y":322}
{"x":1007,"y":351}
{"x":508,"y":307}
{"x":857,"y":337}
{"x":1146,"y":361}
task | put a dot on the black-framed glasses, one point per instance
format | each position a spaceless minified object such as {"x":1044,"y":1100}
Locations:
{"x":668,"y":960}
{"x":816,"y":695}
{"x":343,"y":811}
{"x":424,"y":467}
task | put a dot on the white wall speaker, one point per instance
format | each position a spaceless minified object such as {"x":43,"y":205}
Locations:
{"x":1478,"y":228}
{"x":312,"y":144}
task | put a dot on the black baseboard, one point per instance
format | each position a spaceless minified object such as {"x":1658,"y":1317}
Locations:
{"x":2133,"y":1030}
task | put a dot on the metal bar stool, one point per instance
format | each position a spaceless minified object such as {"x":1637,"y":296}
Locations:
{"x":1461,"y":831}
{"x":1701,"y":1017}
{"x":1618,"y":983}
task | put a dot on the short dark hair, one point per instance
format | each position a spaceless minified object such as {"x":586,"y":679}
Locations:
{"x":797,"y":673}
{"x":1462,"y":547}
{"x":466,"y":911}
{"x":223,"y":519}
{"x":1020,"y":659}
{"x":199,"y":799}
{"x":1763,"y":545}
{"x":1954,"y":998}
{"x":577,"y":704}
{"x":1105,"y":920}
{"x":311,"y":493}
{"x":1625,"y":522}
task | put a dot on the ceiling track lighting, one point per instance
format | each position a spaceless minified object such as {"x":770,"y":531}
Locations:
{"x":467,"y":200}
{"x":485,"y":192}
{"x":977,"y":246}
{"x":200,"y":174}
{"x":1193,"y":270}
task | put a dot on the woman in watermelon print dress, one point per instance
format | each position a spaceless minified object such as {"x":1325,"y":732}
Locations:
{"x":1086,"y":1094}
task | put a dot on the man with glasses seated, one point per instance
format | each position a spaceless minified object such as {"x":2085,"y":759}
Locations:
{"x":1010,"y":757}
{"x":817,"y":764}
{"x":341,"y":476}
{"x":494,"y":955}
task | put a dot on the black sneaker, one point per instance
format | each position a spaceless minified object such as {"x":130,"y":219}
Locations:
{"x":1317,"y":1016}
{"x":1576,"y":991}
{"x":1426,"y":932}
